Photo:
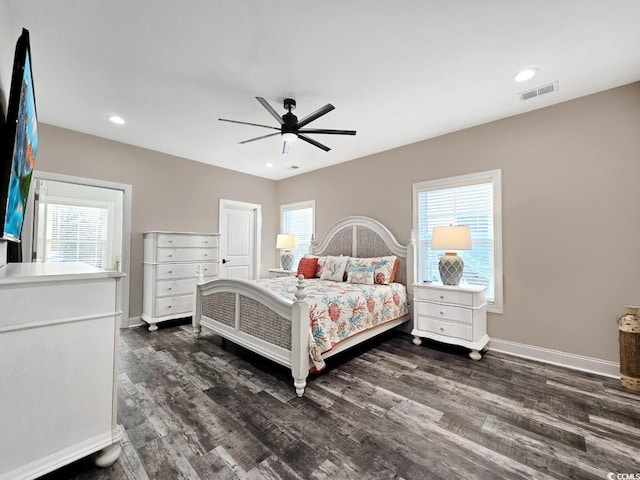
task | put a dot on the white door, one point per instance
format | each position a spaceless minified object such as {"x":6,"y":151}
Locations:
{"x":240,"y":225}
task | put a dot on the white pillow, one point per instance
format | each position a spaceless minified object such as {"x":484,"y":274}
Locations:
{"x":362,"y":275}
{"x":334,"y":269}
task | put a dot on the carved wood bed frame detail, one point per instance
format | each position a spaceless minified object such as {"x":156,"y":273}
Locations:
{"x":245,"y":313}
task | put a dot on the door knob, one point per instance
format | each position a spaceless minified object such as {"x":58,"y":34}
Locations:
{"x":224,"y":260}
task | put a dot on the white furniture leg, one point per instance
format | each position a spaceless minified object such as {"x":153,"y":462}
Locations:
{"x":475,"y":355}
{"x":108,"y":455}
{"x":417,"y":340}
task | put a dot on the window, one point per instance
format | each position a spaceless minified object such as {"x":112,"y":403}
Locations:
{"x":299,"y":218}
{"x":472,"y":200}
{"x":73,"y":233}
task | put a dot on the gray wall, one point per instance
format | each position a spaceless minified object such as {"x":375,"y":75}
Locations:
{"x":7,"y":46}
{"x":169,"y":193}
{"x":571,"y":222}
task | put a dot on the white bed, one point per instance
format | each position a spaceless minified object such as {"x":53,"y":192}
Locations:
{"x":262,"y":321}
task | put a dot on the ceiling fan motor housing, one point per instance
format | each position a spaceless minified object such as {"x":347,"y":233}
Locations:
{"x":289,"y":104}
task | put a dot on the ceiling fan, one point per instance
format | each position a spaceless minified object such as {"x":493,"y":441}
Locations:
{"x":291,"y":128}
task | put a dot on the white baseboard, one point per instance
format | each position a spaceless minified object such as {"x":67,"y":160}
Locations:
{"x":131,"y":322}
{"x":556,"y":357}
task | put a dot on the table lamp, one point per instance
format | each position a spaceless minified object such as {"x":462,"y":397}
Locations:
{"x":450,"y":239}
{"x":286,"y":242}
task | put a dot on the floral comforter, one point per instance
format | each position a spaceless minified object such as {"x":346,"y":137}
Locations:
{"x":339,"y":310}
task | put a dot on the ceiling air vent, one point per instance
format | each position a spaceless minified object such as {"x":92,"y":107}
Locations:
{"x":536,"y":92}
{"x":294,"y":167}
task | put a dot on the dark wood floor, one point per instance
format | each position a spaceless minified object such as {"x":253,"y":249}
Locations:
{"x":195,"y":410}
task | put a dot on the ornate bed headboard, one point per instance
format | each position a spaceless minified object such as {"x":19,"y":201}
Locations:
{"x":365,"y":237}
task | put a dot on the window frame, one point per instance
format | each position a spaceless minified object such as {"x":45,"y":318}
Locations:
{"x":74,"y":202}
{"x":495,"y":178}
{"x":287,"y":207}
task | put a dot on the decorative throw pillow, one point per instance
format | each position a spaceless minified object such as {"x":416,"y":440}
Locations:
{"x":307,"y":267}
{"x":385,"y":269}
{"x":319,"y":266}
{"x":363,"y":275}
{"x":334,"y":269}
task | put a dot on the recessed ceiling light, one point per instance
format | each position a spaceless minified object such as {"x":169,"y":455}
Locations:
{"x":269,"y":165}
{"x":116,"y":119}
{"x":525,"y":74}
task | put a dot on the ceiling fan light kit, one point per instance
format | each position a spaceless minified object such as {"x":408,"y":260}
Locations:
{"x":291,"y":129}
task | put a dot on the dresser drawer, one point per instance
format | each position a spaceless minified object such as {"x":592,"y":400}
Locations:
{"x":175,"y":287}
{"x":172,"y":240}
{"x":445,"y":312}
{"x":446,"y":296}
{"x":457,"y":330}
{"x":173,"y":305}
{"x":186,"y":254}
{"x":165,"y":272}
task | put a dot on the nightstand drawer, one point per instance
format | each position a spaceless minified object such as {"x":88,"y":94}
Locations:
{"x":445,"y":312}
{"x":457,"y":330}
{"x":444,"y":296}
{"x":173,"y":305}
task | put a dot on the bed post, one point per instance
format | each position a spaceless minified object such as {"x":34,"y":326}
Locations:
{"x":411,"y":265}
{"x":300,"y":339}
{"x":313,"y":244}
{"x":197,"y":299}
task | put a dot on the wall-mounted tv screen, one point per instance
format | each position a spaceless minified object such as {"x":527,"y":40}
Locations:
{"x":20,"y":144}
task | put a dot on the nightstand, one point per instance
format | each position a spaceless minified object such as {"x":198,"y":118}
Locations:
{"x":280,"y":272}
{"x":451,"y":314}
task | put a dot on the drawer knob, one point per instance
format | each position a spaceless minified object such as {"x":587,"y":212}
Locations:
{"x":169,"y":288}
{"x":441,"y":297}
{"x":206,"y":270}
{"x":170,"y":241}
{"x":170,"y":255}
{"x":170,"y":271}
{"x":442,"y":329}
{"x":169,"y":306}
{"x":205,"y":254}
{"x":441,"y":312}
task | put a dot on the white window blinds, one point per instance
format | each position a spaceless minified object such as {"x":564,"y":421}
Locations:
{"x":74,"y":233}
{"x":470,"y":201}
{"x":298,"y":218}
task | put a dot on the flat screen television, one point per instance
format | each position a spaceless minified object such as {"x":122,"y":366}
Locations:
{"x":19,"y":144}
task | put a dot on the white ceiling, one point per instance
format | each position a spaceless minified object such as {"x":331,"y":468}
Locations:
{"x":396,"y":71}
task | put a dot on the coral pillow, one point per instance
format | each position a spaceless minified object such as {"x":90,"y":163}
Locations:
{"x":307,"y":267}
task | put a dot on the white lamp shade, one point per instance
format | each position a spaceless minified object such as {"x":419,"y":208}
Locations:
{"x":286,"y":240}
{"x":451,"y":238}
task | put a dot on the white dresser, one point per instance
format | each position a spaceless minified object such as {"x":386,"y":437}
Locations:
{"x":170,"y":263}
{"x":59,"y":335}
{"x":451,"y":314}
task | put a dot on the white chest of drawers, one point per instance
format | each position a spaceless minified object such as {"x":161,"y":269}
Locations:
{"x":451,"y":314}
{"x":170,"y":263}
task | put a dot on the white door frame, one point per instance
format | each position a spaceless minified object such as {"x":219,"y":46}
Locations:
{"x":257,"y":230}
{"x":27,"y":244}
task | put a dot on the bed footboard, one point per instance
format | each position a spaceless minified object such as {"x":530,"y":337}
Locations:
{"x":246,"y":314}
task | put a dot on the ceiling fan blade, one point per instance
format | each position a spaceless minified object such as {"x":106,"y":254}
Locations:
{"x":324,"y":130}
{"x":247,"y":123}
{"x":259,"y":138}
{"x":270,"y":109}
{"x":285,"y":147}
{"x":313,"y":142}
{"x":317,"y":114}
